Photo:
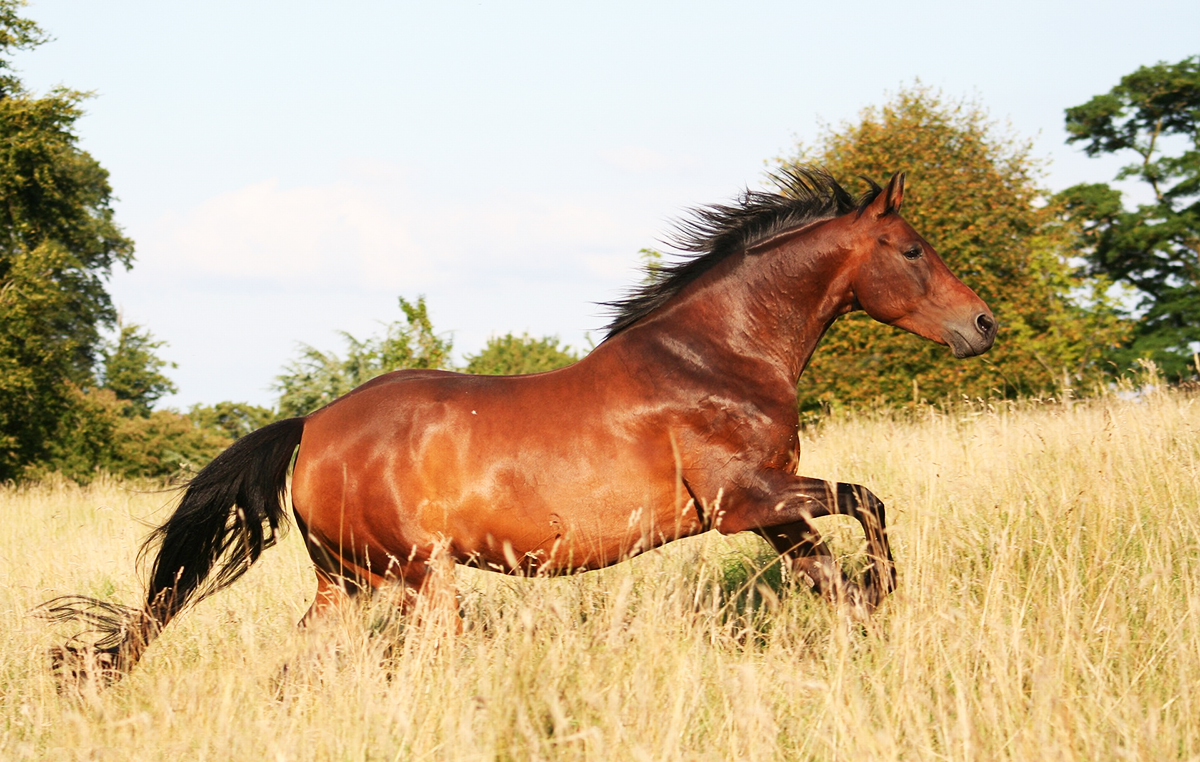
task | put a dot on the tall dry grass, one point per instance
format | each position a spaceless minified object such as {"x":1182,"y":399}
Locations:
{"x":1049,"y":608}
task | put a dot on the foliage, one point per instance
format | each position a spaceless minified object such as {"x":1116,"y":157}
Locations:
{"x":104,"y":434}
{"x":58,"y":244}
{"x":163,"y":445}
{"x":83,"y":444}
{"x":511,"y":355}
{"x":317,"y":378}
{"x":233,"y":419}
{"x":34,"y":357}
{"x":16,"y":33}
{"x":1155,"y":247}
{"x":132,"y":370}
{"x":652,"y":262}
{"x":112,"y":428}
{"x":972,"y":193}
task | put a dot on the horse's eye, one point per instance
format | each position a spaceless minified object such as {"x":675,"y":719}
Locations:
{"x":913,"y":253}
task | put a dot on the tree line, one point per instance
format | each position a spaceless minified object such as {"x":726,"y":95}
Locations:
{"x":1083,"y":282}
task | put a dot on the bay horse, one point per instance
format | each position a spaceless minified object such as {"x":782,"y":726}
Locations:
{"x":683,"y":420}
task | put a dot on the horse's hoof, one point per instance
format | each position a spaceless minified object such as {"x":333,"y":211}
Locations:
{"x":860,"y":605}
{"x":75,"y":666}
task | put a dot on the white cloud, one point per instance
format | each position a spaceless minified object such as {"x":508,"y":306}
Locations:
{"x":336,"y":233}
{"x":523,"y":229}
{"x":639,"y":160}
{"x":384,"y":236}
{"x":613,"y":267}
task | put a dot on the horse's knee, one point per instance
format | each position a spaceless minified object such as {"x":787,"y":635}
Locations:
{"x":860,"y":498}
{"x":865,"y":506}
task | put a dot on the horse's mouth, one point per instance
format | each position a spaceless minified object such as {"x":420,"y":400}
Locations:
{"x":962,"y":346}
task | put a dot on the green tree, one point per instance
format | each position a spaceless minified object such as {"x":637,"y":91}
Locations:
{"x":112,"y":427}
{"x":652,"y":262}
{"x":69,"y":401}
{"x":132,"y":370}
{"x":233,"y":419}
{"x":16,"y":33}
{"x":1155,"y":247}
{"x":511,"y":355}
{"x":101,"y":434}
{"x":317,"y":378}
{"x":162,"y":445}
{"x":973,"y":194}
{"x":58,"y":244}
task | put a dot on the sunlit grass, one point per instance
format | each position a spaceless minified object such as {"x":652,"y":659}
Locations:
{"x":1048,"y":608}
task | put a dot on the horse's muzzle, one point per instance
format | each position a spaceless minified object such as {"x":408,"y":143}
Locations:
{"x":975,"y":338}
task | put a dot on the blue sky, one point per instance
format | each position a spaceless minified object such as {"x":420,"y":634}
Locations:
{"x":288,"y":169}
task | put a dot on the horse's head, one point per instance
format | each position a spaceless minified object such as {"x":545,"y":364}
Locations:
{"x":900,"y":280}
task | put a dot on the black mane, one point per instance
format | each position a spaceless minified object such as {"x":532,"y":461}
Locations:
{"x":804,"y":195}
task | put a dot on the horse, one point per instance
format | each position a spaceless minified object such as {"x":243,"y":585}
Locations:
{"x":684,"y":419}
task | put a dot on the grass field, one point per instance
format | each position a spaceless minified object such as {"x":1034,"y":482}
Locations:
{"x":1049,"y":608}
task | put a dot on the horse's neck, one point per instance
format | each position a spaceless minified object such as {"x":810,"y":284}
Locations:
{"x":790,"y":301}
{"x":768,"y":309}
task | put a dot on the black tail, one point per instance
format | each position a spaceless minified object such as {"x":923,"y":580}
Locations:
{"x":230,"y":513}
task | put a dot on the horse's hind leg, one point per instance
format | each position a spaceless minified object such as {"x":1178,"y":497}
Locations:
{"x":437,"y":594}
{"x":425,"y":592}
{"x":332,"y":596}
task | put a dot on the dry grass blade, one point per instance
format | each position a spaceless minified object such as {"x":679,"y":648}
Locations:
{"x":1048,"y":607}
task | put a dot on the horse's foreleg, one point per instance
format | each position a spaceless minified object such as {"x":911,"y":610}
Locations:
{"x":783,"y":510}
{"x":868,"y":510}
{"x":801,"y":546}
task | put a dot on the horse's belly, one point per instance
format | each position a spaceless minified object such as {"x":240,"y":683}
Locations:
{"x":566,"y":532}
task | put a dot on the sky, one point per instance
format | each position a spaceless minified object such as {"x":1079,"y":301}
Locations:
{"x":288,"y":169}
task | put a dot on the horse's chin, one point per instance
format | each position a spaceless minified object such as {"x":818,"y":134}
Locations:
{"x":963,"y":347}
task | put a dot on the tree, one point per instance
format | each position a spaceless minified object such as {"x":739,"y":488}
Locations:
{"x":132,"y":370}
{"x":58,"y":244}
{"x":652,"y":262}
{"x":317,"y":378}
{"x":972,"y":193}
{"x":70,"y":401}
{"x":511,"y":355}
{"x":233,"y":419}
{"x":111,"y":427}
{"x":101,"y":434}
{"x":16,"y":33}
{"x":165,"y":444}
{"x":1155,"y":247}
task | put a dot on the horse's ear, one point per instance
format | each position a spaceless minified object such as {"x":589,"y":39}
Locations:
{"x":895,"y":192}
{"x":888,"y":199}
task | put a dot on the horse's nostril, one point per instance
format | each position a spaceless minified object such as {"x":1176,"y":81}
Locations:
{"x":985,"y":323}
